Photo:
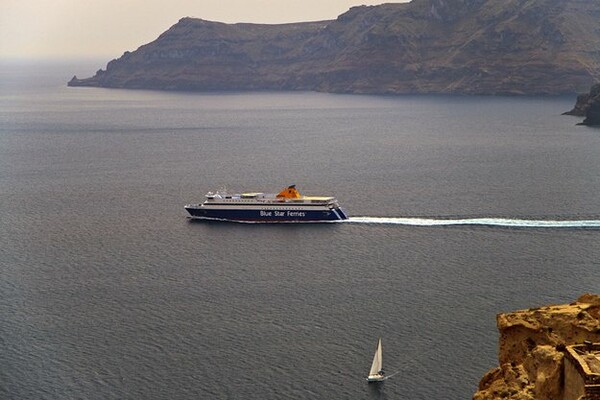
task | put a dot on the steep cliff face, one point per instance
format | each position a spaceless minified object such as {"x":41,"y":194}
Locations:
{"x":425,"y":46}
{"x":531,"y":349}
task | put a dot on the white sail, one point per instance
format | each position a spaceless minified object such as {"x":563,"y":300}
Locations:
{"x":377,"y":361}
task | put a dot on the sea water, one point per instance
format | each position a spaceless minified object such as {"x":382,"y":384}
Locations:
{"x":461,"y":208}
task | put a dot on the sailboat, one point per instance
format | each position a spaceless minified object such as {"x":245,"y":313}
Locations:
{"x":376,"y":374}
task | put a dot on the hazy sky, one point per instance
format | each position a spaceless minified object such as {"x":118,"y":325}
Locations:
{"x":107,"y":28}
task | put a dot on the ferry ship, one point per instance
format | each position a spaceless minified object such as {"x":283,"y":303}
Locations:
{"x":286,"y":206}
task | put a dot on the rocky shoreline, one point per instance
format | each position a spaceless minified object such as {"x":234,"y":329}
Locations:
{"x":588,"y":106}
{"x":532,"y":350}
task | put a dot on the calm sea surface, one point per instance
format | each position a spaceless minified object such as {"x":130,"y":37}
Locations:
{"x":108,"y":290}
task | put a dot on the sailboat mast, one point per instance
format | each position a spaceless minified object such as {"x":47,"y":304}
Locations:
{"x":379,"y":356}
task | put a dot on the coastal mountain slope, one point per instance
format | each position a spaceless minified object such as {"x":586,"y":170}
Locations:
{"x":425,"y":46}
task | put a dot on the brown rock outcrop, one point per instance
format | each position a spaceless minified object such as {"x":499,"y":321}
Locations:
{"x":531,"y":349}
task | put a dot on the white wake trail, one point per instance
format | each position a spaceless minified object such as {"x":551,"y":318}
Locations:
{"x":502,"y":222}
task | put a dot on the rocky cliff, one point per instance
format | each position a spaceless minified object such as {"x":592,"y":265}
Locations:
{"x":531,"y":349}
{"x":588,"y":106}
{"x":425,"y":46}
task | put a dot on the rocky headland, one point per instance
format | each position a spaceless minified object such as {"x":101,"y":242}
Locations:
{"x":588,"y":106}
{"x":532,"y":350}
{"x":425,"y":46}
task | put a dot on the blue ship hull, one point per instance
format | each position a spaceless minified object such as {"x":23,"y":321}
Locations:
{"x":268,"y":216}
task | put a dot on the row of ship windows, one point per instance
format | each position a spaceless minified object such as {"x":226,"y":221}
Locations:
{"x":270,"y":201}
{"x":280,"y":208}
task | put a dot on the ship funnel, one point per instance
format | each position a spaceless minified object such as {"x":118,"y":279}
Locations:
{"x":289,"y":193}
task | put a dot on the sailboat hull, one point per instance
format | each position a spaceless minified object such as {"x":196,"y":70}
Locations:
{"x":377,"y":378}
